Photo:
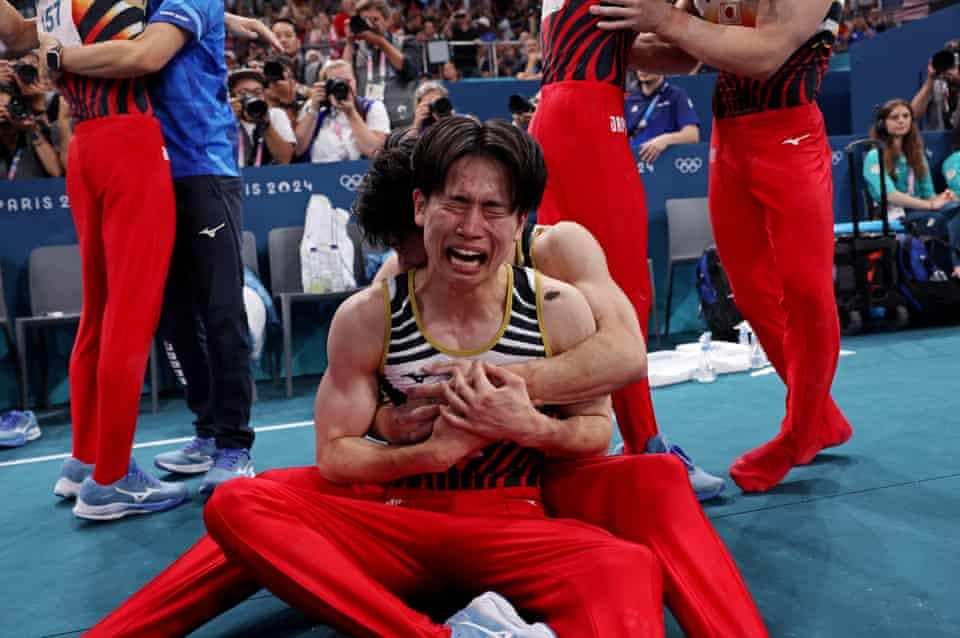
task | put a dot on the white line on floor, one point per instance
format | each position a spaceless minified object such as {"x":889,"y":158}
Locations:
{"x":56,"y":457}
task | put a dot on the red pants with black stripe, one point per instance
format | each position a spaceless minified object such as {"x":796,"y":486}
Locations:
{"x":771,"y":206}
{"x":592,"y":179}
{"x":646,"y":499}
{"x":121,"y":198}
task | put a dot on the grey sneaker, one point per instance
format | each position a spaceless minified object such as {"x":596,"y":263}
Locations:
{"x":136,"y":493}
{"x":227,"y":464}
{"x":18,"y":428}
{"x":705,"y":485}
{"x":490,"y":615}
{"x":72,"y":475}
{"x":196,"y":457}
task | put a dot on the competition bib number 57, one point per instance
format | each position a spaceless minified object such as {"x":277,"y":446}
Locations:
{"x":56,"y":18}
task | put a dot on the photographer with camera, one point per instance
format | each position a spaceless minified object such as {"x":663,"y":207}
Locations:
{"x":384,"y":71}
{"x":282,"y":92}
{"x":431,"y":101}
{"x":265,"y":136}
{"x":936,"y":102}
{"x":335,"y":124}
{"x":26,"y":145}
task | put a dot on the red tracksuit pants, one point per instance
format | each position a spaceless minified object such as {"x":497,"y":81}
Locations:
{"x":121,"y":198}
{"x":646,"y":499}
{"x":771,"y":206}
{"x":592,"y":179}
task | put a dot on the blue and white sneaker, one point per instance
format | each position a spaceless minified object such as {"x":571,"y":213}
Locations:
{"x":196,"y":457}
{"x":227,"y":464}
{"x":490,"y":615}
{"x":18,"y":428}
{"x":72,"y":475}
{"x":705,"y":485}
{"x":136,"y":493}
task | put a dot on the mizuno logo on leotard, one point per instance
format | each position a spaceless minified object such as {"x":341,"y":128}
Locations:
{"x":211,"y":232}
{"x":795,"y":141}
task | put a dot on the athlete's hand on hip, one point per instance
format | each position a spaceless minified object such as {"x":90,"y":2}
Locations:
{"x":652,"y":148}
{"x":489,"y":401}
{"x":643,"y":16}
{"x":251,"y":29}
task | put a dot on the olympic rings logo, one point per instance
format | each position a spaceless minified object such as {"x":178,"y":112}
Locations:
{"x":837,"y":157}
{"x":688,"y":165}
{"x":351,"y":182}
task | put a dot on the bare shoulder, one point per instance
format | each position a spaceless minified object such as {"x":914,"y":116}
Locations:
{"x":569,"y":252}
{"x":358,"y":329}
{"x":565,"y":314}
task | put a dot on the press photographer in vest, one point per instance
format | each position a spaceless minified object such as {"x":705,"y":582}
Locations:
{"x":26,"y":145}
{"x":335,"y":124}
{"x":264,"y":134}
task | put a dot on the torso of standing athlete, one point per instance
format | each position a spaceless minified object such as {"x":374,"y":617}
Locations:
{"x":796,"y":83}
{"x":573,"y":48}
{"x":88,"y":22}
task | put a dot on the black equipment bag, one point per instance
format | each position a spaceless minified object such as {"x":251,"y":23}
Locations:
{"x":716,"y":297}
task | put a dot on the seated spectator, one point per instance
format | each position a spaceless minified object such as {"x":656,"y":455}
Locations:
{"x":27,"y":150}
{"x":331,"y":129}
{"x":859,"y":30}
{"x":659,"y":115}
{"x":938,"y":97}
{"x":951,"y":165}
{"x":265,"y":135}
{"x":424,"y":111}
{"x":450,"y":72}
{"x":533,"y":66}
{"x":907,"y":179}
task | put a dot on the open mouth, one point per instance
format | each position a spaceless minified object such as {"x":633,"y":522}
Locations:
{"x":463,"y":259}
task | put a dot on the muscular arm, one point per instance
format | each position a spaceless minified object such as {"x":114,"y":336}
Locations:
{"x":17,"y":33}
{"x":782,"y":27}
{"x":347,"y":399}
{"x":610,"y":359}
{"x":147,"y":54}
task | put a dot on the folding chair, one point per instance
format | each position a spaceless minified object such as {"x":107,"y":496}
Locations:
{"x":5,"y":326}
{"x":286,"y":284}
{"x":690,"y":233}
{"x":248,"y":252}
{"x":56,"y":296}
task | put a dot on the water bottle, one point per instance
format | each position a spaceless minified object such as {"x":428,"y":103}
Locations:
{"x":743,"y":338}
{"x":758,"y":358}
{"x":705,"y":373}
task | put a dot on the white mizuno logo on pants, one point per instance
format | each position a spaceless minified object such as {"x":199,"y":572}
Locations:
{"x":795,"y":141}
{"x":211,"y":232}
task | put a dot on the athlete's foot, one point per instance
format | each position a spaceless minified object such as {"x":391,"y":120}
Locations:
{"x":763,"y":468}
{"x":833,"y":434}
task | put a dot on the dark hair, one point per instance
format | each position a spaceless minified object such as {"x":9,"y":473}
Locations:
{"x":292,"y":24}
{"x":911,"y":146}
{"x":384,"y":204}
{"x":452,"y":138}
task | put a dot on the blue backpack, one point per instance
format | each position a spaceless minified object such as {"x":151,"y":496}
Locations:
{"x":923,"y":282}
{"x":716,"y":297}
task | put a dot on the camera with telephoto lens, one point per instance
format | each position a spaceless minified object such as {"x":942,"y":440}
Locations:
{"x":336,"y":88}
{"x":945,"y":60}
{"x":358,"y":25}
{"x":255,"y":108}
{"x":519,"y":105}
{"x":27,"y":73}
{"x":17,"y":109}
{"x":274,"y":70}
{"x":441,"y":107}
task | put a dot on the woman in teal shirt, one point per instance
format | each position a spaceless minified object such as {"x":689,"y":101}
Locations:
{"x":907,"y":175}
{"x":951,"y":165}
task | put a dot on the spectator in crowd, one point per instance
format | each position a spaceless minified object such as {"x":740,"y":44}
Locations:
{"x":951,"y":165}
{"x":938,"y":96}
{"x":340,"y":20}
{"x":485,"y":46}
{"x":449,"y":72}
{"x":26,"y":145}
{"x":907,"y":176}
{"x":659,"y":115}
{"x":265,"y":135}
{"x":385,"y":71}
{"x":859,"y":30}
{"x":460,"y":30}
{"x":282,"y":91}
{"x":532,"y":62}
{"x":430,"y":102}
{"x":334,"y":127}
{"x":286,"y":32}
